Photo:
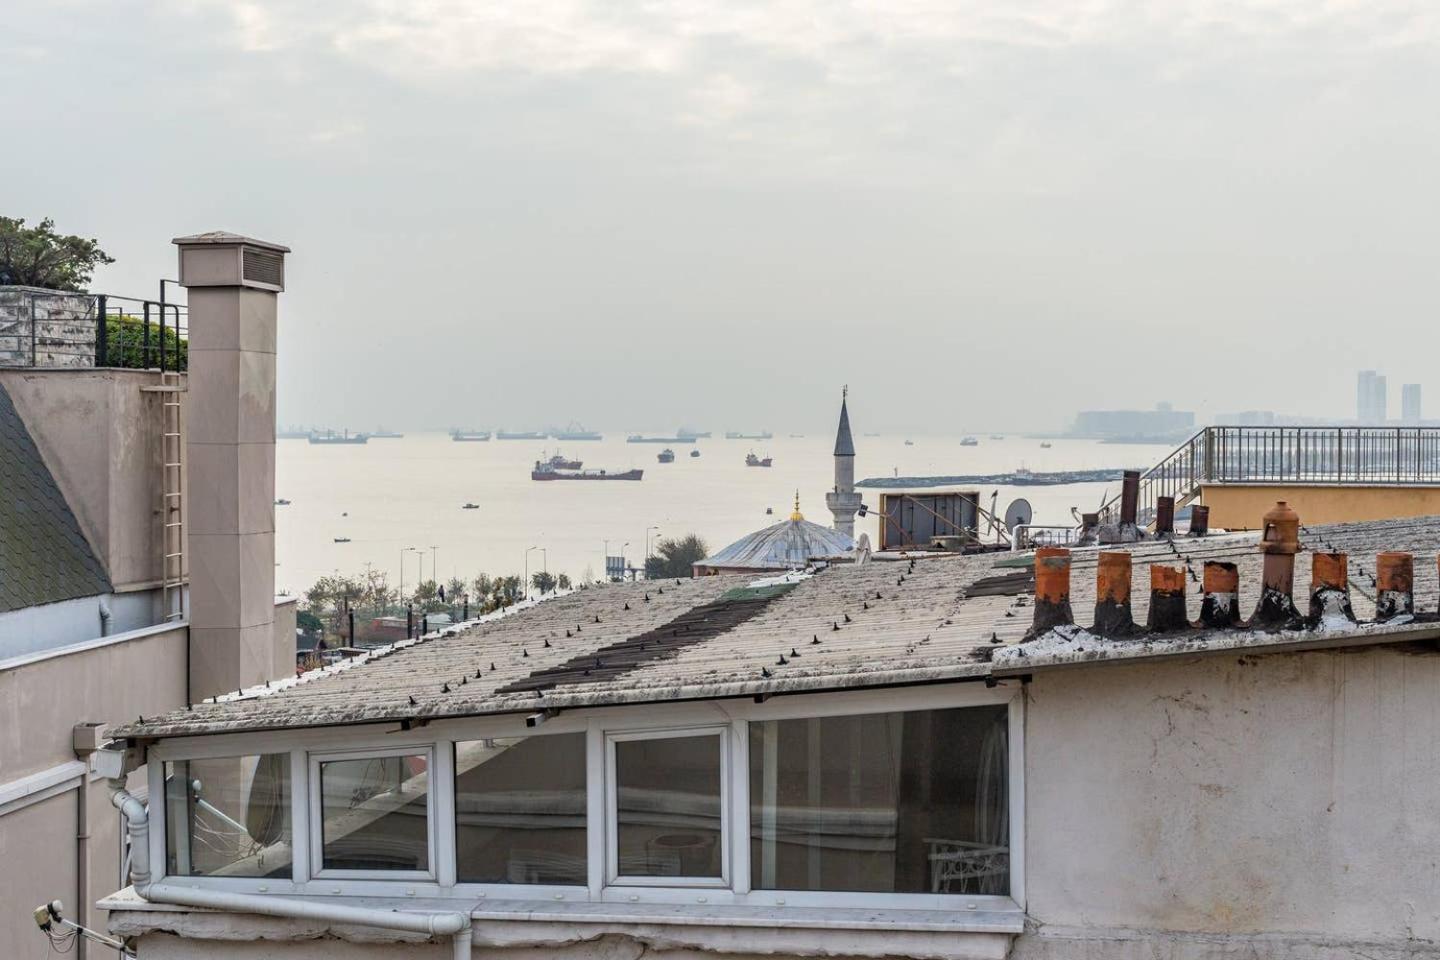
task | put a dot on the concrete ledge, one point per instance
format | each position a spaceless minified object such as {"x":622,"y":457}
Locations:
{"x":1073,"y":943}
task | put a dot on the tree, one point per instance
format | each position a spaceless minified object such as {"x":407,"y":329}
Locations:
{"x":543,"y":581}
{"x":676,"y":557}
{"x":562,"y":582}
{"x":39,"y":257}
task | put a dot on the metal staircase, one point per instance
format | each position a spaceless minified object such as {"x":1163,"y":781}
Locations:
{"x":1178,"y":475}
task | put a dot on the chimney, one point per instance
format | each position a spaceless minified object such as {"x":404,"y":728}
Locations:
{"x":1167,"y":599}
{"x":1330,"y":587}
{"x":1394,"y":585}
{"x":1052,"y":590}
{"x":1280,"y":541}
{"x":1112,"y":595}
{"x":1199,"y":520}
{"x":1221,"y":604}
{"x":1164,"y":517}
{"x":232,"y":282}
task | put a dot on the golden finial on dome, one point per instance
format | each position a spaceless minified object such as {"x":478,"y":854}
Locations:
{"x":797,"y":515}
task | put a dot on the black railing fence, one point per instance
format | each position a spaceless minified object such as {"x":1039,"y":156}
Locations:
{"x":1342,"y":456}
{"x":45,"y":328}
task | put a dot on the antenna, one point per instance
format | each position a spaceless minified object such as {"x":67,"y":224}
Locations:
{"x":1019,"y":512}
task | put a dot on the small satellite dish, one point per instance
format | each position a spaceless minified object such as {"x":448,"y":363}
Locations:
{"x":1017,"y":513}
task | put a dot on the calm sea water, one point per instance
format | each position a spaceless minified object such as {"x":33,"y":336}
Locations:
{"x":391,"y":494}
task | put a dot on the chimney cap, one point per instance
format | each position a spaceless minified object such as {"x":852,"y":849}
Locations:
{"x":225,"y":238}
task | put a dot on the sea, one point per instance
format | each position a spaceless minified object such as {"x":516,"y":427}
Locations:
{"x":399,"y":502}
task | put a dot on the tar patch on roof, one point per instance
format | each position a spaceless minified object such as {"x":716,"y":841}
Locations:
{"x":44,"y":558}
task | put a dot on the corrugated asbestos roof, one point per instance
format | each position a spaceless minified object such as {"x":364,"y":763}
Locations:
{"x":787,"y":545}
{"x":849,"y":626}
{"x":44,"y":558}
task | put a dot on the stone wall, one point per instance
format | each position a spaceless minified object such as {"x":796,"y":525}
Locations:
{"x":63,"y":332}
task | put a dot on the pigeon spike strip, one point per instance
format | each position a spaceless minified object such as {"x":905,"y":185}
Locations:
{"x":1052,"y":590}
{"x":1394,"y":585}
{"x":1112,"y":595}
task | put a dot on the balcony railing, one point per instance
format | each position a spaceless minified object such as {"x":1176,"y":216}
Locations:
{"x":46,"y":328}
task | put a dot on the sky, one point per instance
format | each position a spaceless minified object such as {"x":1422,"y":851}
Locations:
{"x":981,"y":216}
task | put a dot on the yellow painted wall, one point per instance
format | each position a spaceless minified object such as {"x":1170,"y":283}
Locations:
{"x":1237,"y":507}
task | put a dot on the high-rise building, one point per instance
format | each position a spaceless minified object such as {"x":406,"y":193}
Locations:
{"x":1410,"y":403}
{"x":1370,"y":397}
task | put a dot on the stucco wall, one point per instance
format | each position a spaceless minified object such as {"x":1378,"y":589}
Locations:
{"x":1286,"y":796}
{"x":1236,"y":507}
{"x":100,"y":437}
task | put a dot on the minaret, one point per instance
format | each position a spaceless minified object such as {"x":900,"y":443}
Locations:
{"x":843,"y":501}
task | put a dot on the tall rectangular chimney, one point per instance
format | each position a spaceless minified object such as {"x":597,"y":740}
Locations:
{"x":230,"y":448}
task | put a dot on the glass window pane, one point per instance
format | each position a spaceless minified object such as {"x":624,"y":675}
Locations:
{"x":520,"y":810}
{"x":913,"y":802}
{"x":228,"y":817}
{"x":374,"y":813}
{"x":668,"y":804}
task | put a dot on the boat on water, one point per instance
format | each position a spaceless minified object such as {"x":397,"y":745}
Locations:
{"x":560,"y":463}
{"x":969,"y":442}
{"x":543,"y":471}
{"x":692,"y":434}
{"x":666,"y":456}
{"x":520,"y":435}
{"x":764,"y":435}
{"x":909,"y":443}
{"x":292,"y":435}
{"x":342,"y":539}
{"x":638,"y":438}
{"x":576,"y":431}
{"x":469,"y":436}
{"x":694,"y":453}
{"x":997,"y":436}
{"x":1046,"y":445}
{"x":331,"y":437}
{"x":282,"y":502}
{"x":471,"y":506}
{"x":386,"y":435}
{"x":753,"y":461}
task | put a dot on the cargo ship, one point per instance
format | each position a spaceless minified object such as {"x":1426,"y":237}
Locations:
{"x":575,"y":431}
{"x":330,"y":436}
{"x":520,"y":435}
{"x":469,"y":436}
{"x":383,"y":434}
{"x":543,"y":471}
{"x":693,"y":434}
{"x":560,"y":463}
{"x":753,"y":461}
{"x":637,"y":438}
{"x":969,"y":442}
{"x":765,"y":435}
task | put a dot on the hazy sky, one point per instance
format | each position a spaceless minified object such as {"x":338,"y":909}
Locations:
{"x":981,"y":215}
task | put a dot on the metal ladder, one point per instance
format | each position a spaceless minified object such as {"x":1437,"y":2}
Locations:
{"x":172,"y":503}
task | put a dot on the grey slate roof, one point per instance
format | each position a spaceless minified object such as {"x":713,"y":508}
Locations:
{"x":44,"y":558}
{"x":788,"y":545}
{"x":877,"y":624}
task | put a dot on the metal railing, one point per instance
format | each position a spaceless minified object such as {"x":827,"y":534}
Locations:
{"x":1353,"y":456}
{"x":58,"y":329}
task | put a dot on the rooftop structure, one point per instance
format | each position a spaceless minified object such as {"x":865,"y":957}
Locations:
{"x":791,"y":544}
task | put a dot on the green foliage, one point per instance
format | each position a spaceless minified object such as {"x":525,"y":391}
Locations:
{"x":125,"y":344}
{"x":542,"y":581}
{"x":308,"y":622}
{"x":675,"y":557}
{"x":38,"y":256}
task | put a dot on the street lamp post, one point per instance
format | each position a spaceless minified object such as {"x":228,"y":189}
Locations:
{"x":526,"y":585}
{"x":403,"y":551}
{"x":647,"y":549}
{"x":622,"y":559}
{"x":605,"y":563}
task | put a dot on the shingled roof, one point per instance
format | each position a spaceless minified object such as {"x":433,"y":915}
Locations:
{"x":847,"y":627}
{"x":44,"y":558}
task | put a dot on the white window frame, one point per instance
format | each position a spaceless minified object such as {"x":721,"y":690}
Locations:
{"x":318,"y":870}
{"x":602,"y":726}
{"x":611,"y":826}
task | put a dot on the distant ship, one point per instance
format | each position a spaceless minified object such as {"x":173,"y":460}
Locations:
{"x":997,"y":436}
{"x":637,"y":438}
{"x":694,"y":453}
{"x":575,"y":431}
{"x":1045,"y":445}
{"x":282,"y":502}
{"x":969,"y":442}
{"x":766,"y":435}
{"x":543,"y":471}
{"x":909,"y":443}
{"x":342,"y":539}
{"x":386,"y":435}
{"x":560,"y":463}
{"x":471,"y":506}
{"x":753,"y":461}
{"x":666,"y":456}
{"x":691,"y":434}
{"x":292,"y":435}
{"x":520,"y":435}
{"x":330,"y":436}
{"x":469,"y":436}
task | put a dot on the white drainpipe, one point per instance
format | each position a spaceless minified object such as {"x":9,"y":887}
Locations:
{"x":137,"y":818}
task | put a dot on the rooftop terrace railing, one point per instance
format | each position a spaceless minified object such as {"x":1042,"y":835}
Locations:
{"x":49,"y":328}
{"x":1339,"y":456}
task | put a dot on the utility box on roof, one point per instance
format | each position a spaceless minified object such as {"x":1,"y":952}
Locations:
{"x":914,"y":520}
{"x":222,"y":259}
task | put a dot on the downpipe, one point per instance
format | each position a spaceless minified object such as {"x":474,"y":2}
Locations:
{"x":137,"y":819}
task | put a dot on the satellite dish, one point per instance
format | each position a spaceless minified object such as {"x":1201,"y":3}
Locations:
{"x":1017,"y":513}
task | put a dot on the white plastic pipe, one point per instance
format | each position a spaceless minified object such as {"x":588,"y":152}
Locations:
{"x":455,"y":925}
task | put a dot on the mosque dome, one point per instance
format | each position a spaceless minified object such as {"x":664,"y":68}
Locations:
{"x":788,"y":545}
